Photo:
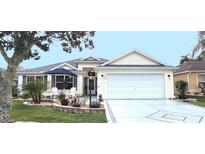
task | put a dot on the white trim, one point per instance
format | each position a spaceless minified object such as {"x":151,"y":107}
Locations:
{"x":63,"y":65}
{"x":198,"y":78}
{"x":193,"y":71}
{"x":165,"y":85}
{"x":25,"y":73}
{"x":90,"y":57}
{"x":139,"y":68}
{"x":90,"y":62}
{"x":139,"y":52}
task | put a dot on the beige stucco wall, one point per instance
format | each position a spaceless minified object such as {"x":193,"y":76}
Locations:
{"x":193,"y":81}
{"x":190,"y":78}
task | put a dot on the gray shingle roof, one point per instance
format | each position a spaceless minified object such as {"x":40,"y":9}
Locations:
{"x":46,"y":68}
{"x":192,"y":65}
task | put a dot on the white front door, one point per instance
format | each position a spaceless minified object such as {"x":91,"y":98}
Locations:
{"x":135,"y":86}
{"x":91,"y":86}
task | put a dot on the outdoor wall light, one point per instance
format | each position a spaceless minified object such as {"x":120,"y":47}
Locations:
{"x":102,"y":75}
{"x":169,"y":76}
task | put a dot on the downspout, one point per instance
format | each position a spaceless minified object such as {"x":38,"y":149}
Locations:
{"x":188,"y":80}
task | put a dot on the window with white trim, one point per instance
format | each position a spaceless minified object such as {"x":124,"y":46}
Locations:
{"x":64,"y":81}
{"x":201,"y":80}
{"x":60,"y":82}
{"x":32,"y":78}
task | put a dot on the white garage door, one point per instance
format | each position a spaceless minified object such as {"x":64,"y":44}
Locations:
{"x":135,"y":86}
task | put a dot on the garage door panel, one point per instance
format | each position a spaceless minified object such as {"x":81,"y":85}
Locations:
{"x":135,"y":86}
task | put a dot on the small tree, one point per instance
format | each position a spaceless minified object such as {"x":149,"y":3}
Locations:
{"x":181,"y":87}
{"x":35,"y":90}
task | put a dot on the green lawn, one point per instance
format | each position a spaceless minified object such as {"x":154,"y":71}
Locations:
{"x":200,"y":102}
{"x":21,"y":112}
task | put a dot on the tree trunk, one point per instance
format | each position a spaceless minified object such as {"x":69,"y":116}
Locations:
{"x":6,"y":100}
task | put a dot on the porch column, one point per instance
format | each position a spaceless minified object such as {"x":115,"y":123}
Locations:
{"x":20,"y":82}
{"x":49,"y":81}
{"x":80,"y":84}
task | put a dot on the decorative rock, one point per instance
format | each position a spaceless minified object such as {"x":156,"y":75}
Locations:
{"x":191,"y":100}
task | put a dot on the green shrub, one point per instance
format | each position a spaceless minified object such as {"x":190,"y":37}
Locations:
{"x":35,"y":90}
{"x":25,"y":95}
{"x":181,"y":87}
{"x":14,"y":91}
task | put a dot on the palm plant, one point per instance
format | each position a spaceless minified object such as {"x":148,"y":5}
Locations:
{"x":185,"y":58}
{"x":200,"y":46}
{"x":35,"y":90}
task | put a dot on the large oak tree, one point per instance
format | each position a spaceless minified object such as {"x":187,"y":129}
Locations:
{"x":25,"y":45}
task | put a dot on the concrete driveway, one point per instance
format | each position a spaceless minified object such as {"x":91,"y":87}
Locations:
{"x":153,"y":111}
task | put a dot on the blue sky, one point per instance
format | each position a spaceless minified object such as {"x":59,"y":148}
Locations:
{"x":166,"y":46}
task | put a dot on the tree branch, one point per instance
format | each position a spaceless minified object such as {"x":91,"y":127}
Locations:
{"x":3,"y":53}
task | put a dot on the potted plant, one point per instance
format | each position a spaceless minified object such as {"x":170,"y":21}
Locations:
{"x":62,"y":99}
{"x":76,"y":103}
{"x":95,"y":104}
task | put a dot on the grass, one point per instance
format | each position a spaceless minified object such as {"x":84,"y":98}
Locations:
{"x":21,"y":112}
{"x":200,"y":102}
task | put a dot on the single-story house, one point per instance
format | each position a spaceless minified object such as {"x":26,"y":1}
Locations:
{"x":193,"y":72}
{"x":133,"y":75}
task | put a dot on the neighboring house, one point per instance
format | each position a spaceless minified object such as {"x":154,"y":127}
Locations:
{"x":131,"y":76}
{"x":193,"y":72}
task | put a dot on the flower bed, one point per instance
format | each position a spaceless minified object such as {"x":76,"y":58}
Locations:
{"x":78,"y":109}
{"x":54,"y":105}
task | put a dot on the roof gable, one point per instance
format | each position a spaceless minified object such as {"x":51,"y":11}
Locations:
{"x":136,"y":58}
{"x":91,"y":58}
{"x":64,"y":66}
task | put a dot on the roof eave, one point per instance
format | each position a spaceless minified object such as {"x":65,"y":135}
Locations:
{"x":189,"y":71}
{"x":139,"y":68}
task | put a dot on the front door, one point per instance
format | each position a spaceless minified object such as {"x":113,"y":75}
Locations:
{"x":91,"y":86}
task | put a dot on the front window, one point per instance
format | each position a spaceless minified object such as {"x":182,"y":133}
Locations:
{"x":64,"y":82}
{"x":30,"y":79}
{"x":39,"y":78}
{"x":68,"y":82}
{"x":60,"y":82}
{"x":201,"y":80}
